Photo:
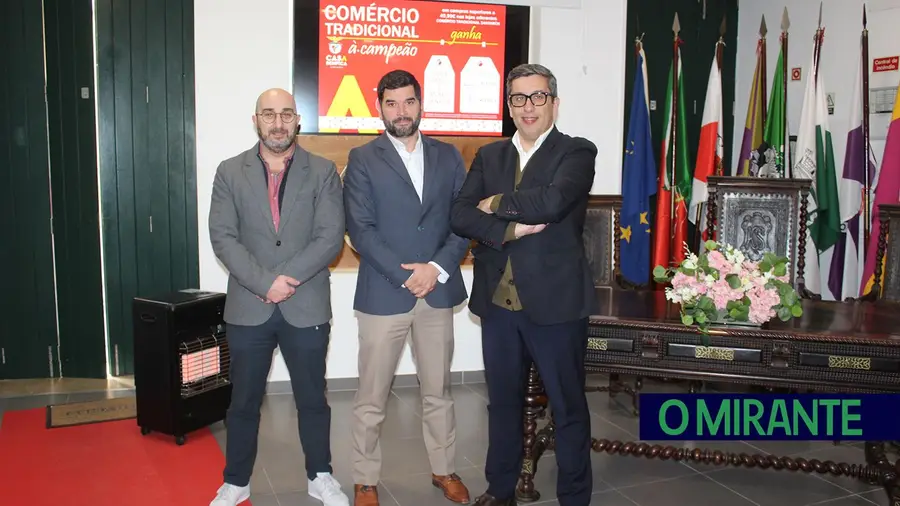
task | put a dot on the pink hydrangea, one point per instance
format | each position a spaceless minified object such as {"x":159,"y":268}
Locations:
{"x":721,"y":293}
{"x":762,"y":303}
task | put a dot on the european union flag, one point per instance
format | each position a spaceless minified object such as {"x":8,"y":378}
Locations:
{"x":638,"y":185}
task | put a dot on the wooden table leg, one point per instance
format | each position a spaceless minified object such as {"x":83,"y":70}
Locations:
{"x":890,"y":473}
{"x":535,"y":406}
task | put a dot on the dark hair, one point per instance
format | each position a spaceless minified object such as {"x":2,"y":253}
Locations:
{"x":532,"y":69}
{"x":397,"y":79}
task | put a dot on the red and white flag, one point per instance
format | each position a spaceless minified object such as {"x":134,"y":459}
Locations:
{"x":709,"y":150}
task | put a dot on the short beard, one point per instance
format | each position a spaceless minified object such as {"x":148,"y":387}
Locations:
{"x":273,"y":145}
{"x":402,"y":132}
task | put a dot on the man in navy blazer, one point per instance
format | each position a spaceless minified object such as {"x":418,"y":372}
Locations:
{"x":398,"y":191}
{"x":524,"y":201}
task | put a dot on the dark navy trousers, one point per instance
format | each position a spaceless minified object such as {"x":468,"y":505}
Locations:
{"x":304,"y":351}
{"x":509,"y":340}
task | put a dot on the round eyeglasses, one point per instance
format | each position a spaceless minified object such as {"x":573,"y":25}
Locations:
{"x":286,"y":116}
{"x":537,"y":98}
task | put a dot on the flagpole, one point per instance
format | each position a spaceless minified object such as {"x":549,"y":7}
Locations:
{"x":720,"y":52}
{"x":762,"y":70}
{"x":673,"y":140}
{"x":867,"y":189}
{"x":817,"y":47}
{"x":786,"y":155}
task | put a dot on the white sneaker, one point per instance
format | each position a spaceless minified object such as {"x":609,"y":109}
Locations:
{"x":231,"y":495}
{"x":327,"y":489}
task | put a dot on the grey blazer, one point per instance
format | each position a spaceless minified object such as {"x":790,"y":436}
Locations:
{"x":310,"y":236}
{"x":388,"y":224}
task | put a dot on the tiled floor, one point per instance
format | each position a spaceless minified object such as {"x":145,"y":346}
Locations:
{"x":618,"y":481}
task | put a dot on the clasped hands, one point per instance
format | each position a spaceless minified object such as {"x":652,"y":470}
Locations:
{"x":521,"y":229}
{"x":281,"y":290}
{"x":423,"y":279}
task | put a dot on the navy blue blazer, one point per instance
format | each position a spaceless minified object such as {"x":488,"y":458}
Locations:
{"x":552,"y":276}
{"x":388,"y":225}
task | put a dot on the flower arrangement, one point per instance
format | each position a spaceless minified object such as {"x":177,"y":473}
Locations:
{"x":722,"y":286}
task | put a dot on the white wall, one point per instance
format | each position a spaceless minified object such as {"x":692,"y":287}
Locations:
{"x":243,"y":48}
{"x":842,"y":20}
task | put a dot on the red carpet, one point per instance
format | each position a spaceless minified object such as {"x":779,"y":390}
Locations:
{"x":103,"y":464}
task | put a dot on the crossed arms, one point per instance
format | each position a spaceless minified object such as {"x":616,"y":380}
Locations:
{"x":496,"y":219}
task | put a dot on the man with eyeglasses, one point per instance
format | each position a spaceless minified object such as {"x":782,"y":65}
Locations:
{"x":524,"y":201}
{"x":276,"y":222}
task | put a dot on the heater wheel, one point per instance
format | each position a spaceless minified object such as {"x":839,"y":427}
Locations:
{"x":179,"y":440}
{"x":145,"y":431}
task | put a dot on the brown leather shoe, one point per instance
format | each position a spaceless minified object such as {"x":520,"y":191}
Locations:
{"x":453,"y":488}
{"x":489,"y":500}
{"x":365,"y":495}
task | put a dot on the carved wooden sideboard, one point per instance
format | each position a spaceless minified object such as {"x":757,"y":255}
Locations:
{"x":833,"y":347}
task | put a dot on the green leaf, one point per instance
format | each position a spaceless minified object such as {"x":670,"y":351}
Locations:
{"x":705,"y":303}
{"x":660,"y":272}
{"x":784,"y":314}
{"x":687,"y":319}
{"x":790,"y":298}
{"x":700,"y":317}
{"x":765,"y":266}
{"x":734,"y":281}
{"x":710,"y":245}
{"x":734,"y":313}
{"x":797,"y":310}
{"x":780,"y":270}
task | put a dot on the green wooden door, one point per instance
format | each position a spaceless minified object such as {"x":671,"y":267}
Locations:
{"x":28,"y":322}
{"x":148,"y":185}
{"x":73,"y":162}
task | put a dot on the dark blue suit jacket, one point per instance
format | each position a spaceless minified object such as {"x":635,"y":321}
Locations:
{"x":552,"y":275}
{"x":389,"y":226}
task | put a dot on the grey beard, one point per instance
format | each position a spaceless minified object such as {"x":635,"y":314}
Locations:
{"x":273,"y":145}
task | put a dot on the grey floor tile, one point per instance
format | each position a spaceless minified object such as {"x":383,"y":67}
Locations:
{"x":264,"y":500}
{"x":34,"y":401}
{"x":878,"y":497}
{"x":777,"y":488}
{"x":853,"y":500}
{"x":685,"y":492}
{"x":850,"y":454}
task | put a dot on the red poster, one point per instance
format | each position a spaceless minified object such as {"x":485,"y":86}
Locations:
{"x":455,"y":50}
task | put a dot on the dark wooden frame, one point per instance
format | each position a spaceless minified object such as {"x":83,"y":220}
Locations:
{"x":887,"y":213}
{"x":610,"y":247}
{"x":797,"y":189}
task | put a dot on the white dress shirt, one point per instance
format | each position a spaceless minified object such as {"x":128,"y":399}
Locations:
{"x":524,"y":156}
{"x":415,"y":165}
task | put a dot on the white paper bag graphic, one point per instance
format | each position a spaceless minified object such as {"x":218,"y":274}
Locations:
{"x":479,"y":87}
{"x":439,"y":89}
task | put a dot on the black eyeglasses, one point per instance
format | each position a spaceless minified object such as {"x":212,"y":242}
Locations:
{"x":537,"y":98}
{"x":286,"y":116}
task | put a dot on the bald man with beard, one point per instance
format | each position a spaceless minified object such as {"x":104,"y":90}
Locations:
{"x":276,"y":221}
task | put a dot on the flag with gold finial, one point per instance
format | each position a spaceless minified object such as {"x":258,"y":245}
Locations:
{"x":675,"y":178}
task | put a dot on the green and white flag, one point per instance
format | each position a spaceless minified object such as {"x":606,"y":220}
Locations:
{"x":776,"y":134}
{"x":815,"y":161}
